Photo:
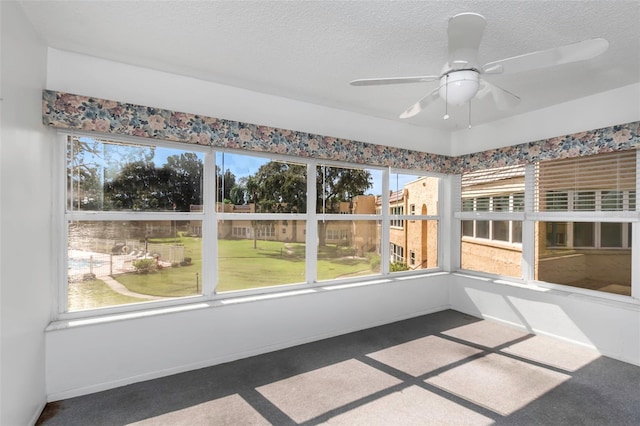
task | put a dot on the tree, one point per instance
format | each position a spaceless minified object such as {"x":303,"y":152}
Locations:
{"x":184,"y":185}
{"x":138,"y":186}
{"x":279,"y":187}
{"x":92,"y":164}
{"x":335,"y":185}
{"x":224,"y":183}
{"x":238,"y":194}
{"x":84,"y":186}
{"x":282,"y":187}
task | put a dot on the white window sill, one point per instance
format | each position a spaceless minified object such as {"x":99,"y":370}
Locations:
{"x":226,"y":299}
{"x":624,"y":302}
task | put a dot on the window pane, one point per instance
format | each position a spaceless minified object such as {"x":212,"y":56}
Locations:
{"x":105,"y":175}
{"x":612,"y":201}
{"x":259,"y":255}
{"x":500,"y":203}
{"x":611,"y":234}
{"x":482,"y":229}
{"x":585,"y":267}
{"x":518,"y":202}
{"x":500,"y":230}
{"x":121,"y":262}
{"x":467,"y":205}
{"x":482,"y":204}
{"x":421,"y":241}
{"x":556,"y":234}
{"x":467,"y":228}
{"x":358,"y":254}
{"x":247,"y":183}
{"x":339,"y":187}
{"x":583,"y":234}
{"x":516,"y":230}
{"x":556,"y":201}
{"x":584,"y":200}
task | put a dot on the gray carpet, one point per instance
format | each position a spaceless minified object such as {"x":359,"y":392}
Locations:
{"x":444,"y":368}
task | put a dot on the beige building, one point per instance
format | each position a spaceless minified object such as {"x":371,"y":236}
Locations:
{"x":413,"y":243}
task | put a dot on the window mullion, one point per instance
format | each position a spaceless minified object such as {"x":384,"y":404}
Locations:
{"x":386,"y":225}
{"x":60,"y":205}
{"x":311,"y":247}
{"x":528,"y":225}
{"x":209,"y":227}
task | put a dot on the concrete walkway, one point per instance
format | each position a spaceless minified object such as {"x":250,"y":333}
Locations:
{"x":119,"y":288}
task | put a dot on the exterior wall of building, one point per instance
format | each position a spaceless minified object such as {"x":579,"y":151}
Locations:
{"x":422,"y":236}
{"x":366,"y":236}
{"x":477,"y":255}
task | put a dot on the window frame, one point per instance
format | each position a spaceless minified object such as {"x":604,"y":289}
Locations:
{"x":209,"y":218}
{"x":530,"y":217}
{"x":492,"y":217}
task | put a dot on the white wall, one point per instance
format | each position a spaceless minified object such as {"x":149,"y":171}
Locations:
{"x":604,"y":109}
{"x":90,"y":76}
{"x":611,"y":327}
{"x":25,"y":225}
{"x":90,"y":358}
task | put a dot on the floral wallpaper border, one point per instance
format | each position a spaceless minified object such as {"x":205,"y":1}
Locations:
{"x":608,"y":139}
{"x":75,"y":112}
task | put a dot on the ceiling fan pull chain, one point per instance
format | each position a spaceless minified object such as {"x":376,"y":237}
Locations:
{"x":469,"y":113}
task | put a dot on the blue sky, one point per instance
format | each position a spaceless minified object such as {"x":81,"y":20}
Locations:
{"x":245,"y":165}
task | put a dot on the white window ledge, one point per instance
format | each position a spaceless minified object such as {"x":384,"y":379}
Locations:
{"x":226,"y":299}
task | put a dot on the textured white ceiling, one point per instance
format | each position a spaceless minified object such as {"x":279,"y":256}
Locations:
{"x":311,"y":50}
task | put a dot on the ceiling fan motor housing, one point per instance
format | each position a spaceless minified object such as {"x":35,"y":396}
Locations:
{"x":458,"y":87}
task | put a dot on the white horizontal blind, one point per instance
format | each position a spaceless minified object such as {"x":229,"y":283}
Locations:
{"x":603,"y":182}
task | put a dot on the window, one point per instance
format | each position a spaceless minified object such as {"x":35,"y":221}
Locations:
{"x":397,"y":211}
{"x":397,"y":254}
{"x":492,"y":206}
{"x":581,"y":217}
{"x":591,"y":248}
{"x":509,"y":231}
{"x":144,"y":216}
{"x":416,"y":233}
{"x":267,"y":199}
{"x":130,"y":223}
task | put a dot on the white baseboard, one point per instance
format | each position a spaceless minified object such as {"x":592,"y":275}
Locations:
{"x":38,"y":412}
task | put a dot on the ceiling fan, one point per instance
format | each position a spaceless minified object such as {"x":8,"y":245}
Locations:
{"x":460,"y":79}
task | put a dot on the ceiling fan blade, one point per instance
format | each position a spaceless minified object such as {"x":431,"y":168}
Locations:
{"x":393,"y":80}
{"x":580,"y":51}
{"x":465,"y":33}
{"x":421,"y":104}
{"x":503,"y":99}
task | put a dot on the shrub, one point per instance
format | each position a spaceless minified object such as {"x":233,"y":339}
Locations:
{"x":347,"y":251}
{"x":186,"y":261}
{"x":397,"y":267}
{"x":145,"y":266}
{"x":374,"y":261}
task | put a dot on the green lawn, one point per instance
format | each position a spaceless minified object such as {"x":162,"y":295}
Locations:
{"x":170,"y":282}
{"x":241,"y":266}
{"x":95,"y":294}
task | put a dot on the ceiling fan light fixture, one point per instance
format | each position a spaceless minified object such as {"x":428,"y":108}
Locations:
{"x":458,"y":87}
